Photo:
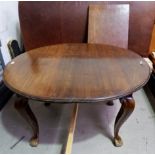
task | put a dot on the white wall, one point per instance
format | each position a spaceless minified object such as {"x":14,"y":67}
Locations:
{"x":9,"y":23}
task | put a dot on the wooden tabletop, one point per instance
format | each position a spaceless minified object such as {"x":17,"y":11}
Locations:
{"x":76,"y":73}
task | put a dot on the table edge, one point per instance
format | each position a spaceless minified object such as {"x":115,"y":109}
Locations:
{"x":79,"y":100}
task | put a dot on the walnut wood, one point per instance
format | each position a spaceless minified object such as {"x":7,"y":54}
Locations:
{"x":45,"y":23}
{"x":128,"y":105}
{"x":25,"y":111}
{"x":76,"y":73}
{"x":109,"y":24}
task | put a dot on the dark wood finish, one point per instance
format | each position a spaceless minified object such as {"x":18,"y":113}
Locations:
{"x":46,"y":23}
{"x":128,"y":105}
{"x":109,"y":24}
{"x":76,"y":73}
{"x":25,"y":111}
{"x":142,"y":18}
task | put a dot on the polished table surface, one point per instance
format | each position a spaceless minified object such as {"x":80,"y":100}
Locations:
{"x":76,"y":73}
{"x":69,"y":73}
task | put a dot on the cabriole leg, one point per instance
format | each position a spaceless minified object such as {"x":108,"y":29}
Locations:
{"x":22,"y":106}
{"x":126,"y":109}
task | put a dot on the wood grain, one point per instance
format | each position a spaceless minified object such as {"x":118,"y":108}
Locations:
{"x":109,"y":24}
{"x":45,"y":23}
{"x":76,"y":73}
{"x":70,"y":138}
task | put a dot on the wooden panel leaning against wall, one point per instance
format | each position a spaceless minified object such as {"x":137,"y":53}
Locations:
{"x":109,"y":24}
{"x":65,"y":22}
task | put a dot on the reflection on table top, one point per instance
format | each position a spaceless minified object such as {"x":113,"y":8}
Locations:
{"x":76,"y":73}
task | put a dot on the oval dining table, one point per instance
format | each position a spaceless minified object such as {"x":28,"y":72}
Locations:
{"x":76,"y":73}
